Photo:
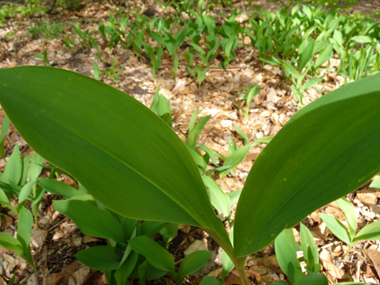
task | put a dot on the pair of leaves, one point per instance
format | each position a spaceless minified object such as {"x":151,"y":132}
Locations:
{"x":133,"y":163}
{"x":369,"y":232}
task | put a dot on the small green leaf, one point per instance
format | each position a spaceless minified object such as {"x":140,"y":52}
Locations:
{"x":13,"y":169}
{"x":3,"y":134}
{"x":90,"y":219}
{"x":306,"y":54}
{"x":234,"y":196}
{"x":125,"y":268}
{"x":211,"y":280}
{"x":218,"y":198}
{"x":196,"y":130}
{"x":9,"y":242}
{"x":35,"y":166}
{"x":286,"y":253}
{"x":349,"y":211}
{"x":369,"y":232}
{"x":242,"y":134}
{"x":325,"y":55}
{"x":310,"y":250}
{"x":313,"y":279}
{"x":102,"y":258}
{"x":59,"y":188}
{"x":375,"y":183}
{"x":154,"y":253}
{"x":235,"y":159}
{"x":193,"y":262}
{"x":25,"y":192}
{"x":337,"y":228}
{"x":362,"y":39}
{"x":150,"y":228}
{"x":227,"y":263}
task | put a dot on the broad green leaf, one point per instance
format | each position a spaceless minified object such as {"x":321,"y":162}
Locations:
{"x":218,"y":198}
{"x":130,"y":160}
{"x":154,"y":253}
{"x":59,"y":188}
{"x":293,"y":176}
{"x":13,"y":169}
{"x":193,"y":262}
{"x":310,"y":250}
{"x":369,"y":232}
{"x":90,"y":219}
{"x":279,"y":283}
{"x":349,"y":211}
{"x":102,"y":258}
{"x":336,"y":227}
{"x":286,"y":254}
{"x":3,"y":134}
{"x":313,"y":279}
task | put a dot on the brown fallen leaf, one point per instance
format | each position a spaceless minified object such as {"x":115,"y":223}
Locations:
{"x":329,"y":266}
{"x":374,"y":256}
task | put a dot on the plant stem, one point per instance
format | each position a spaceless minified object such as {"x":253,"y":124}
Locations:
{"x":348,"y":251}
{"x":239,"y":264}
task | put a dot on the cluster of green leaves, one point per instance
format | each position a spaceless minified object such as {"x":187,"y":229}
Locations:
{"x":300,"y":42}
{"x":286,"y":253}
{"x":134,"y":164}
{"x":46,"y":29}
{"x":13,"y":183}
{"x":349,"y":236}
{"x":303,"y":40}
{"x":30,"y":7}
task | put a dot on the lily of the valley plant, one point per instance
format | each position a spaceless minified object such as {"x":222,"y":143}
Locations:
{"x":132,"y":162}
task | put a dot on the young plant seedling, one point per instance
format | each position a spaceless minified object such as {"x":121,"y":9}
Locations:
{"x":111,"y":71}
{"x":369,"y":232}
{"x":161,"y":107}
{"x":253,"y":91}
{"x":43,"y":57}
{"x":286,"y":253}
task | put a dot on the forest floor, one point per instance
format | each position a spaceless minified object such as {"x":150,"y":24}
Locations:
{"x":57,"y":238}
